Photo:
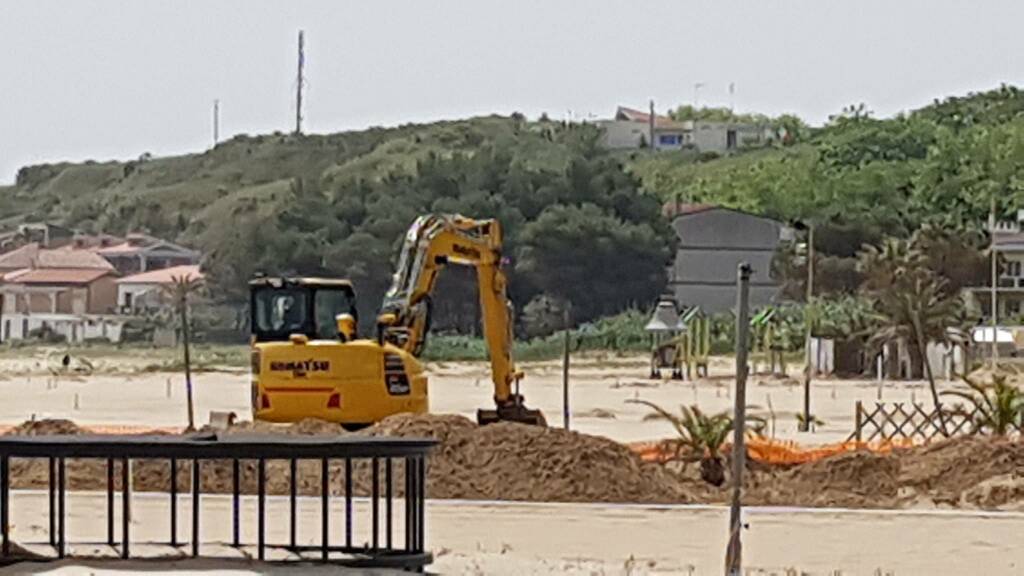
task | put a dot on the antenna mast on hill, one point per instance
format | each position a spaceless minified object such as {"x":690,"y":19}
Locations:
{"x":298,"y":87}
{"x":216,"y":122}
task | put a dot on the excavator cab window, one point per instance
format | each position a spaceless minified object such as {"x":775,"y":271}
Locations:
{"x":281,"y":311}
{"x":327,"y":304}
{"x":278,"y":311}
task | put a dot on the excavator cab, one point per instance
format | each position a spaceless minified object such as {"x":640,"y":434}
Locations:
{"x":308,"y":362}
{"x":282,"y":307}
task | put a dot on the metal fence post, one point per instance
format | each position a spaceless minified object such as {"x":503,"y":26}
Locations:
{"x":5,"y":505}
{"x":195,"y":506}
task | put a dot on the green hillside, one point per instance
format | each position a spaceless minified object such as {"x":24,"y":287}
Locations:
{"x":582,"y":224}
{"x":861,"y":179}
{"x":339,"y":204}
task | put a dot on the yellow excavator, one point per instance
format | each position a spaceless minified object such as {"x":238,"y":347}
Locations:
{"x":309,"y":362}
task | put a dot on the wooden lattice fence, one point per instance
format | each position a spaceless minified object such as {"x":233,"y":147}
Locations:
{"x":915,"y":422}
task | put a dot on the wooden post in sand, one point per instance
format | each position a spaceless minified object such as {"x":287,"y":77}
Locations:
{"x":565,"y":369}
{"x":734,"y":553}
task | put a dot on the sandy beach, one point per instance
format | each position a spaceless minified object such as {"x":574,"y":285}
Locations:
{"x":600,"y":388}
{"x":542,"y":538}
{"x":482,"y":537}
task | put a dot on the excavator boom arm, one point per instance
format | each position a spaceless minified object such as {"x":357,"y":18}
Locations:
{"x":432,"y":243}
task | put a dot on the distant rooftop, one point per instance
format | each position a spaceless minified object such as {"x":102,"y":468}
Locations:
{"x":634,"y":115}
{"x":32,"y":256}
{"x":56,"y":276}
{"x":164,"y":275}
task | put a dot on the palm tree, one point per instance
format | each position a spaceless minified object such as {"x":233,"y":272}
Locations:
{"x":179,"y":290}
{"x":999,"y":405}
{"x":911,"y":303}
{"x":701,"y":436}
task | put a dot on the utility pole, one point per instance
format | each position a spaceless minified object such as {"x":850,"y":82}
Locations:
{"x":298,"y":85}
{"x":806,"y":425}
{"x":696,"y":94}
{"x":216,"y":122}
{"x":565,"y":368}
{"x":734,"y":553}
{"x":995,"y":279}
{"x":650,"y":127}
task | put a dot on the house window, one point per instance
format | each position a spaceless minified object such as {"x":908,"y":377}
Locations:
{"x":1013,"y":269}
{"x":669,"y":139}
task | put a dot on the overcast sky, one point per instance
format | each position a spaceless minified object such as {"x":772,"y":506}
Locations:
{"x":113,"y":79}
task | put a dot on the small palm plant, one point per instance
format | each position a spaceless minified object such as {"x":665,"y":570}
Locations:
{"x":998,"y":406}
{"x":701,"y":436}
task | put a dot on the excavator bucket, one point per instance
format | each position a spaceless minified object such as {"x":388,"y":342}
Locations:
{"x":511,"y":414}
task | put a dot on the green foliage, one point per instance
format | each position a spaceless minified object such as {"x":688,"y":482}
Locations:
{"x":791,"y":127}
{"x":912,"y":303}
{"x":848,"y":316}
{"x":576,"y":226}
{"x":999,"y":405}
{"x":861,"y":179}
{"x":623,"y":332}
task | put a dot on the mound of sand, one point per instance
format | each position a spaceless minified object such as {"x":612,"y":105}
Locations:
{"x":851,"y":480}
{"x":945,"y":470}
{"x":507,"y":461}
{"x":516,"y":462}
{"x":47,"y":427}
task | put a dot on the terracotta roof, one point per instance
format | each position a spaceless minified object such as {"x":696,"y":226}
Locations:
{"x":633,"y":115}
{"x":10,"y":276}
{"x":140,"y":243}
{"x":69,"y":257}
{"x":23,"y":257}
{"x":59,"y":276}
{"x":32,"y":256}
{"x":163,"y":276}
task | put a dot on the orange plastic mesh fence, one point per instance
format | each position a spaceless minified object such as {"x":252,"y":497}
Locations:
{"x":777,"y":451}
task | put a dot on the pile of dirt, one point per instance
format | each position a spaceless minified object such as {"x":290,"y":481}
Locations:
{"x":46,"y":427}
{"x":510,"y":461}
{"x":501,"y":461}
{"x":507,"y":461}
{"x":1004,"y":492}
{"x":852,"y":480}
{"x":946,"y":470}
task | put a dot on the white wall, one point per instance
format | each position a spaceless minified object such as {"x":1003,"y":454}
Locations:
{"x":136,"y":290}
{"x":74,"y":328}
{"x":622,"y":134}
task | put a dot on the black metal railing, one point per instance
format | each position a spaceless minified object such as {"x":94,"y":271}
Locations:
{"x":381,"y":453}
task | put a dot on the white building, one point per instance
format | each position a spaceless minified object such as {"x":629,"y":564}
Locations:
{"x":632,"y":129}
{"x":148,"y":289}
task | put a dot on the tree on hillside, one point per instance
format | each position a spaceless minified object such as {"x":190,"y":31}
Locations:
{"x":595,"y":261}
